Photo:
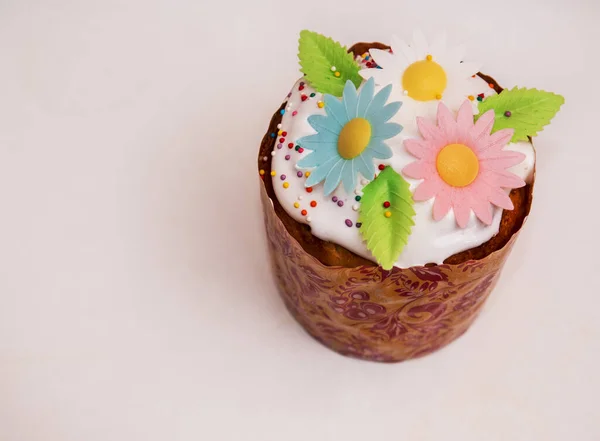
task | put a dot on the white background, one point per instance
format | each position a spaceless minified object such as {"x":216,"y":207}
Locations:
{"x":135,"y":298}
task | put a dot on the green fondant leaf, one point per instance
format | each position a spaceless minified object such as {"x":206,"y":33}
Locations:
{"x":318,"y":54}
{"x":386,"y":236}
{"x":530,"y":110}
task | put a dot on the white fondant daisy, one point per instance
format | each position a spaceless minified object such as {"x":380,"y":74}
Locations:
{"x":422,"y":75}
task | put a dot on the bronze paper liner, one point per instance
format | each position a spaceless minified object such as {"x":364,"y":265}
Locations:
{"x":374,"y":314}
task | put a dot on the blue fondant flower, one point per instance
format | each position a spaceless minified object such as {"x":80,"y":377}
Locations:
{"x":349,"y":137}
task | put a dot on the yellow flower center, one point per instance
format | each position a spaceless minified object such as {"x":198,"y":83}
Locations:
{"x":354,"y":138}
{"x":457,"y":165}
{"x":424,"y":80}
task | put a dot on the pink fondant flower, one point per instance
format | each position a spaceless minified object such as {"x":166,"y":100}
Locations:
{"x":463,"y":165}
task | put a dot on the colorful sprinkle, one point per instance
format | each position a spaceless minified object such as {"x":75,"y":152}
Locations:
{"x":282,"y":177}
{"x":357,"y":198}
{"x":273,"y":173}
{"x":348,"y":222}
{"x":281,"y":139}
{"x":312,"y":94}
{"x":261,"y":172}
{"x":282,"y":111}
{"x":273,"y":134}
{"x":388,"y":214}
{"x":340,"y":203}
{"x":333,"y":68}
{"x":302,"y":83}
{"x":507,"y":113}
{"x":279,"y":126}
{"x":299,"y":174}
{"x":320,"y":104}
{"x":313,"y":204}
{"x":303,"y":97}
{"x":337,"y":74}
{"x":304,"y":212}
{"x":300,"y":150}
{"x":286,"y":185}
{"x":309,"y":189}
{"x":355,"y":207}
{"x":273,"y":153}
{"x":308,"y":219}
{"x":381,"y":167}
{"x":438,"y":97}
{"x":334,"y":199}
{"x":296,"y":205}
{"x":386,"y":204}
{"x":301,"y":87}
{"x":279,"y":145}
{"x":287,"y":157}
{"x":429,"y":58}
{"x":294,"y":113}
{"x":358,"y":224}
{"x":307,"y":174}
{"x":471,"y":97}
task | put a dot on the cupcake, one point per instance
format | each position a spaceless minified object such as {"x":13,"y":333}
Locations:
{"x":394,"y":181}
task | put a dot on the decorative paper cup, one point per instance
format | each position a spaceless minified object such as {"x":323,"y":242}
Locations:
{"x":370,"y":313}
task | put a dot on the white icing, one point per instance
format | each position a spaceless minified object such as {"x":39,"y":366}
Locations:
{"x":429,"y":242}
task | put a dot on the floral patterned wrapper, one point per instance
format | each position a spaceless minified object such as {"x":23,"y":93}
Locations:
{"x":374,"y":314}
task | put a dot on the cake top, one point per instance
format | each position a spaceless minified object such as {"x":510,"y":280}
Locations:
{"x":405,"y":155}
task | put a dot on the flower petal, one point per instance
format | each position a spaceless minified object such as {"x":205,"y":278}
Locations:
{"x":365,"y":166}
{"x":350,"y":100}
{"x":504,"y":159}
{"x":462,"y":213}
{"x":427,"y":189}
{"x":333,"y":178}
{"x":316,"y":158}
{"x":498,"y":140}
{"x":316,"y":142}
{"x":469,"y":68}
{"x":381,"y":76}
{"x":420,"y":43}
{"x":321,"y":172}
{"x":324,"y":123}
{"x":483,"y":210}
{"x":365,"y":97}
{"x":446,"y":122}
{"x":416,"y":148}
{"x":335,"y":109}
{"x":509,"y":180}
{"x":483,"y":125}
{"x":464,"y":118}
{"x":400,"y":47}
{"x":417,"y":170}
{"x":383,"y":58}
{"x":427,"y":129}
{"x":349,"y":176}
{"x":384,"y":114}
{"x":379,"y":149}
{"x":499,"y":198}
{"x":441,"y":205}
{"x":386,"y":131}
